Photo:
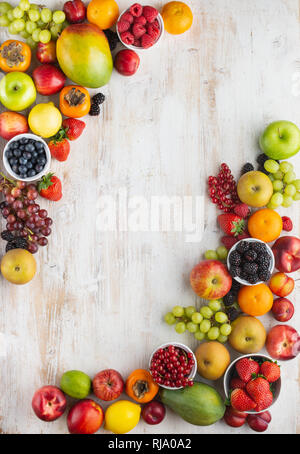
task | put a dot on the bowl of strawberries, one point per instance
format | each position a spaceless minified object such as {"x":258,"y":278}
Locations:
{"x":140,"y":27}
{"x":252,"y":383}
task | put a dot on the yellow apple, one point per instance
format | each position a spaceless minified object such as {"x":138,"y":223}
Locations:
{"x":248,"y":334}
{"x":18,"y":266}
{"x":212,"y":359}
{"x":255,"y":189}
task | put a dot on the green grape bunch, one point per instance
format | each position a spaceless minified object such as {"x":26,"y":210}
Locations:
{"x":32,"y":22}
{"x":286,"y":186}
{"x":210,"y":323}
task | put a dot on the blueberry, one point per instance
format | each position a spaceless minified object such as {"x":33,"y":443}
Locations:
{"x":34,"y":154}
{"x":17,"y":153}
{"x":41,"y":161}
{"x":22,"y":161}
{"x":27,"y":155}
{"x":22,"y":169}
{"x":39,"y":146}
{"x":29,"y":165}
{"x":31,"y":173}
{"x":9,"y":154}
{"x":15,"y":168}
{"x":23,"y":140}
{"x":39,"y":168}
{"x":29,"y":147}
{"x":13,"y":145}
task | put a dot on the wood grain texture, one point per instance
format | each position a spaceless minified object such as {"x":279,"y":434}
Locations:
{"x":98,"y":298}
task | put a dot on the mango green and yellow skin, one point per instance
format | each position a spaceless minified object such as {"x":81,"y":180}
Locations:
{"x":84,"y":55}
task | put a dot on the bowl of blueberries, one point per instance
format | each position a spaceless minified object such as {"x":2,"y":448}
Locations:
{"x":26,"y":157}
{"x":250,"y":261}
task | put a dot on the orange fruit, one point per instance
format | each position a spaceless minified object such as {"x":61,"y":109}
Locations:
{"x":265,"y":224}
{"x":103,"y":13}
{"x":255,"y":299}
{"x":177,"y":17}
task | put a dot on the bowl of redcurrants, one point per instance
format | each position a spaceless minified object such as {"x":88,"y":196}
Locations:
{"x":173,"y":366}
{"x":250,"y":261}
{"x":26,"y":157}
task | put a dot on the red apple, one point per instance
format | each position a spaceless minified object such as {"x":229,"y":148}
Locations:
{"x":283,"y":309}
{"x":153,"y":412}
{"x":12,"y":124}
{"x":234,"y":418}
{"x":283,"y":342}
{"x":46,"y":53}
{"x":286,"y":251}
{"x":108,"y":384}
{"x":260,"y":421}
{"x":49,"y":403}
{"x":85,"y":417}
{"x":48,"y":79}
{"x":75,"y":11}
{"x":127,"y":62}
{"x":210,"y":279}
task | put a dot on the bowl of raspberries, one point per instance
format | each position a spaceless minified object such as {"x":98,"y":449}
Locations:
{"x":250,"y":261}
{"x":140,"y":27}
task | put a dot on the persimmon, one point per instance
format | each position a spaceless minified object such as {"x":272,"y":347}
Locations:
{"x":255,"y":300}
{"x":265,"y":225}
{"x":14,"y":56}
{"x":74,"y":101}
{"x":140,"y":386}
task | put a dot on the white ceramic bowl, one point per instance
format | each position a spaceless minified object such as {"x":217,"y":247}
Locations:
{"x":38,"y":175}
{"x":230,"y":372}
{"x":186,"y":349}
{"x":141,"y":49}
{"x":251,"y":240}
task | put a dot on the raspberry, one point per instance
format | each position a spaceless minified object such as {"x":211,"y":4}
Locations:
{"x":136,"y":10}
{"x":140,"y":20}
{"x":128,"y":17}
{"x":127,"y":37}
{"x":138,"y":30}
{"x":228,"y":241}
{"x":287,"y":223}
{"x":155,"y":24}
{"x":150,"y":13}
{"x":123,"y":26}
{"x":242,"y":210}
{"x":153,"y":31}
{"x":137,"y":43}
{"x":147,"y":41}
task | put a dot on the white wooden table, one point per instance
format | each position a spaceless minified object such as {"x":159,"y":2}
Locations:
{"x":98,"y":298}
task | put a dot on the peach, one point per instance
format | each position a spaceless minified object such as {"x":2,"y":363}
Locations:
{"x":283,"y":342}
{"x":281,"y":284}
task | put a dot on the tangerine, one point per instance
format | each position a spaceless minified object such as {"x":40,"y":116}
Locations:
{"x":265,"y":225}
{"x":255,"y":300}
{"x":103,"y":13}
{"x":177,"y":17}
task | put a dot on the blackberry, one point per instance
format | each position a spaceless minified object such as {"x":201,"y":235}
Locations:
{"x":94,"y":110}
{"x":248,"y":167}
{"x":235,"y":286}
{"x":229,"y":299}
{"x":7,"y":236}
{"x":258,"y":247}
{"x":235,"y":258}
{"x":263,"y":170}
{"x":112,"y":38}
{"x":250,"y":268}
{"x":253,"y":278}
{"x":263,"y":260}
{"x":99,"y":98}
{"x":232,"y":313}
{"x":250,"y":256}
{"x":242,"y":247}
{"x":264,"y":275}
{"x":261,"y":159}
{"x":17,"y":243}
{"x":235,"y":271}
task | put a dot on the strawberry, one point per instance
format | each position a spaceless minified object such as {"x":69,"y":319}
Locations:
{"x":231,"y":223}
{"x":150,"y":13}
{"x":237,"y":383}
{"x":147,"y":41}
{"x":127,"y":37}
{"x":259,"y":391}
{"x":136,"y":10}
{"x":59,"y":148}
{"x":123,"y":26}
{"x":270,"y":370}
{"x":240,"y":400}
{"x":287,"y":223}
{"x":245,"y":367}
{"x":228,"y":241}
{"x":73,"y":128}
{"x":242,"y":210}
{"x":50,"y":187}
{"x":138,"y":30}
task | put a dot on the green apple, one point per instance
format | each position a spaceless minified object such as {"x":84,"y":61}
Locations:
{"x":17,"y":91}
{"x":280,"y":140}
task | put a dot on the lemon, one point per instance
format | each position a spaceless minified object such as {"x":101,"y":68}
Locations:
{"x":45,"y":119}
{"x":122,"y":416}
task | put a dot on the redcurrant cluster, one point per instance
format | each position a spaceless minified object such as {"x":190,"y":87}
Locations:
{"x":171,"y":366}
{"x":222,"y":189}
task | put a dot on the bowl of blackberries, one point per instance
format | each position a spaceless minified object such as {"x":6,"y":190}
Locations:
{"x":250,"y":261}
{"x":26,"y":157}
